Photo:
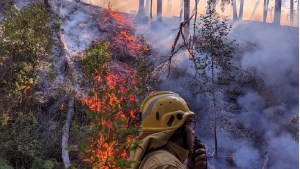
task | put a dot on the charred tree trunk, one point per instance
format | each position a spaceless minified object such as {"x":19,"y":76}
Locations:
{"x":159,"y":11}
{"x":141,"y":16}
{"x":46,"y":3}
{"x":277,"y":12}
{"x":151,"y":3}
{"x":66,"y":133}
{"x":187,"y":17}
{"x":241,"y":9}
{"x":181,"y":10}
{"x":265,"y":14}
{"x":292,"y":12}
{"x":234,"y":11}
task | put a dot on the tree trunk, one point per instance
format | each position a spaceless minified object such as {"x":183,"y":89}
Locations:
{"x":65,"y":134}
{"x":151,"y":4}
{"x":159,"y":11}
{"x":147,"y":7}
{"x":141,"y":16}
{"x":241,"y":9}
{"x":196,"y":6}
{"x":234,"y":11}
{"x":265,"y":14}
{"x":187,"y":17}
{"x":169,"y":9}
{"x":214,"y":106}
{"x":181,"y":10}
{"x":292,"y":12}
{"x":277,"y":12}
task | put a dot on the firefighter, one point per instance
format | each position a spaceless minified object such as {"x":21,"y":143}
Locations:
{"x":167,"y":134}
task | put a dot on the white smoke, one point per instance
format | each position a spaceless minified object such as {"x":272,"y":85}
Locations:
{"x":246,"y":156}
{"x":273,"y":52}
{"x":283,"y":151}
{"x":275,"y":58}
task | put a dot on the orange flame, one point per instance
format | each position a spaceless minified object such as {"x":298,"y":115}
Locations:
{"x":119,"y":18}
{"x":26,"y":89}
{"x":127,"y":36}
{"x":124,"y":34}
{"x":119,"y":77}
{"x":62,"y":106}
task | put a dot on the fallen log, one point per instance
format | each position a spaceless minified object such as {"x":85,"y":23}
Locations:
{"x":66,"y":133}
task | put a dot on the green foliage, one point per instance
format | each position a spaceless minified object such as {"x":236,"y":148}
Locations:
{"x":96,"y":58}
{"x":42,"y":164}
{"x":25,"y":36}
{"x":4,"y":164}
{"x":26,"y":31}
{"x":214,"y":48}
{"x":19,"y":139}
{"x":49,"y":164}
{"x":23,"y":141}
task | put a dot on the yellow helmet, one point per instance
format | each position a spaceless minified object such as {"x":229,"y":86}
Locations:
{"x":164,"y":111}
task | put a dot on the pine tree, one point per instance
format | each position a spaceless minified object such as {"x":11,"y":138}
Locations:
{"x":214,"y":53}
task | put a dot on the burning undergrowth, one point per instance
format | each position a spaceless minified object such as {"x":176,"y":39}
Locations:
{"x":126,"y":43}
{"x":119,"y":73}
